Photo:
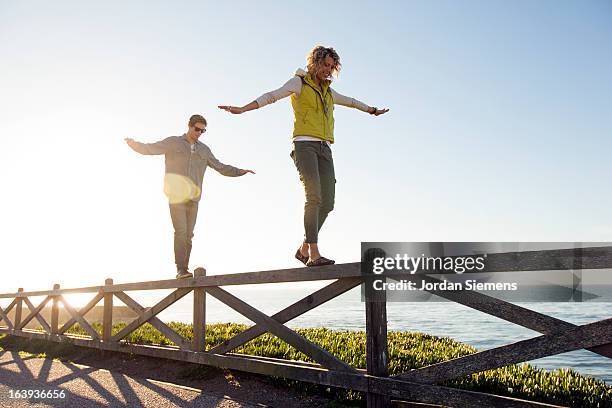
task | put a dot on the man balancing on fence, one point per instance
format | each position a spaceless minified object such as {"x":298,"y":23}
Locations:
{"x":186,"y":162}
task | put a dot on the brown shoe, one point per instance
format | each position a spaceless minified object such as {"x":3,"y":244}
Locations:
{"x":183,"y":273}
{"x":321,"y":261}
{"x":303,"y":259}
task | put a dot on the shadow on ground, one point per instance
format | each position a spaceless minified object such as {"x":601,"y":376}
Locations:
{"x":93,"y":377}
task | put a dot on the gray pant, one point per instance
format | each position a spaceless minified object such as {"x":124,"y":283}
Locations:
{"x":183,"y":219}
{"x":315,"y":165}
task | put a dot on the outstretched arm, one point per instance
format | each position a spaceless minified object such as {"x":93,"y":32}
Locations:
{"x":294,"y":85}
{"x":240,"y":109}
{"x":226,"y":169}
{"x":340,"y":99}
{"x":160,"y":147}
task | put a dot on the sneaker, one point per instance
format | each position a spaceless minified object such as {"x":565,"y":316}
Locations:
{"x":183,"y":273}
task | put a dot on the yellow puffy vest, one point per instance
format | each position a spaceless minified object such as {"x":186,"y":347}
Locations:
{"x":313,"y":111}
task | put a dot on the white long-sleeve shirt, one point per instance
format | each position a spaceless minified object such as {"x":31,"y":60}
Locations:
{"x":294,"y":86}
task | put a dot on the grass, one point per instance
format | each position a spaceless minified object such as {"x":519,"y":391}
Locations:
{"x":407,"y":350}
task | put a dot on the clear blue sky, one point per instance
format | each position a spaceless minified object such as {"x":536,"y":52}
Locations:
{"x":499,"y":129}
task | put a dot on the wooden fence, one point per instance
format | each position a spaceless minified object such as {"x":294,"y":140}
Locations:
{"x":419,"y":385}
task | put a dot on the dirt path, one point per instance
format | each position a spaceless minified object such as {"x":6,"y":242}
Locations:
{"x":119,"y":380}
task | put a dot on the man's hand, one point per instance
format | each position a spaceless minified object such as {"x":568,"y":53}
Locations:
{"x":130,"y":142}
{"x":243,"y":172}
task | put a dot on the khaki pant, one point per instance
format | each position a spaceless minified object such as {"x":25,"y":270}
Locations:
{"x":184,"y":217}
{"x":315,"y":165}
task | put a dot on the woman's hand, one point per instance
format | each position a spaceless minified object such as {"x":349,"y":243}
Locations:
{"x":232,"y":109}
{"x":376,"y":112}
{"x":380,"y":111}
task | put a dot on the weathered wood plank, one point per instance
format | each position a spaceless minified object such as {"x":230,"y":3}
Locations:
{"x":356,"y":381}
{"x":18,"y":309}
{"x":75,"y":315}
{"x":377,"y":353}
{"x":512,"y":313}
{"x":154,"y":321}
{"x":588,"y":335}
{"x":290,"y":312}
{"x":408,"y":404}
{"x":284,"y":361}
{"x":331,"y":272}
{"x":149,"y":313}
{"x":542,"y":260}
{"x":447,"y":396}
{"x":550,"y":259}
{"x":508,"y":311}
{"x":4,"y":317}
{"x":199,"y":314}
{"x":350,"y":270}
{"x":50,"y":292}
{"x":283,"y":332}
{"x":107,"y":317}
{"x":34,"y":312}
{"x":10,"y":306}
{"x":83,"y":311}
{"x":562,"y":259}
{"x":55,"y":311}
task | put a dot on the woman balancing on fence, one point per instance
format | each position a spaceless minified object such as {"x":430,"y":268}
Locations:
{"x":313,"y":102}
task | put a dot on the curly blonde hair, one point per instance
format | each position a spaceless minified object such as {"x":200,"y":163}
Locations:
{"x":317,"y":55}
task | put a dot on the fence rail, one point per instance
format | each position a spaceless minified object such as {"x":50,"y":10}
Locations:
{"x":557,"y":336}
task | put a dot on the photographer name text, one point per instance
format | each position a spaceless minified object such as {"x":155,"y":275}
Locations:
{"x":470,"y":284}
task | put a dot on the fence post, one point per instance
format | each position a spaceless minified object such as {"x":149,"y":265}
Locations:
{"x":107,"y":318}
{"x":199,"y":314}
{"x":377,"y":354}
{"x":18,"y":308}
{"x":55,"y":312}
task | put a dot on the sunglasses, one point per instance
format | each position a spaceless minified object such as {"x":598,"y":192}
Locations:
{"x":201,"y":130}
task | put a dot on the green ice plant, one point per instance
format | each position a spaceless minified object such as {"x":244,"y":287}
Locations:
{"x":407,"y":350}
